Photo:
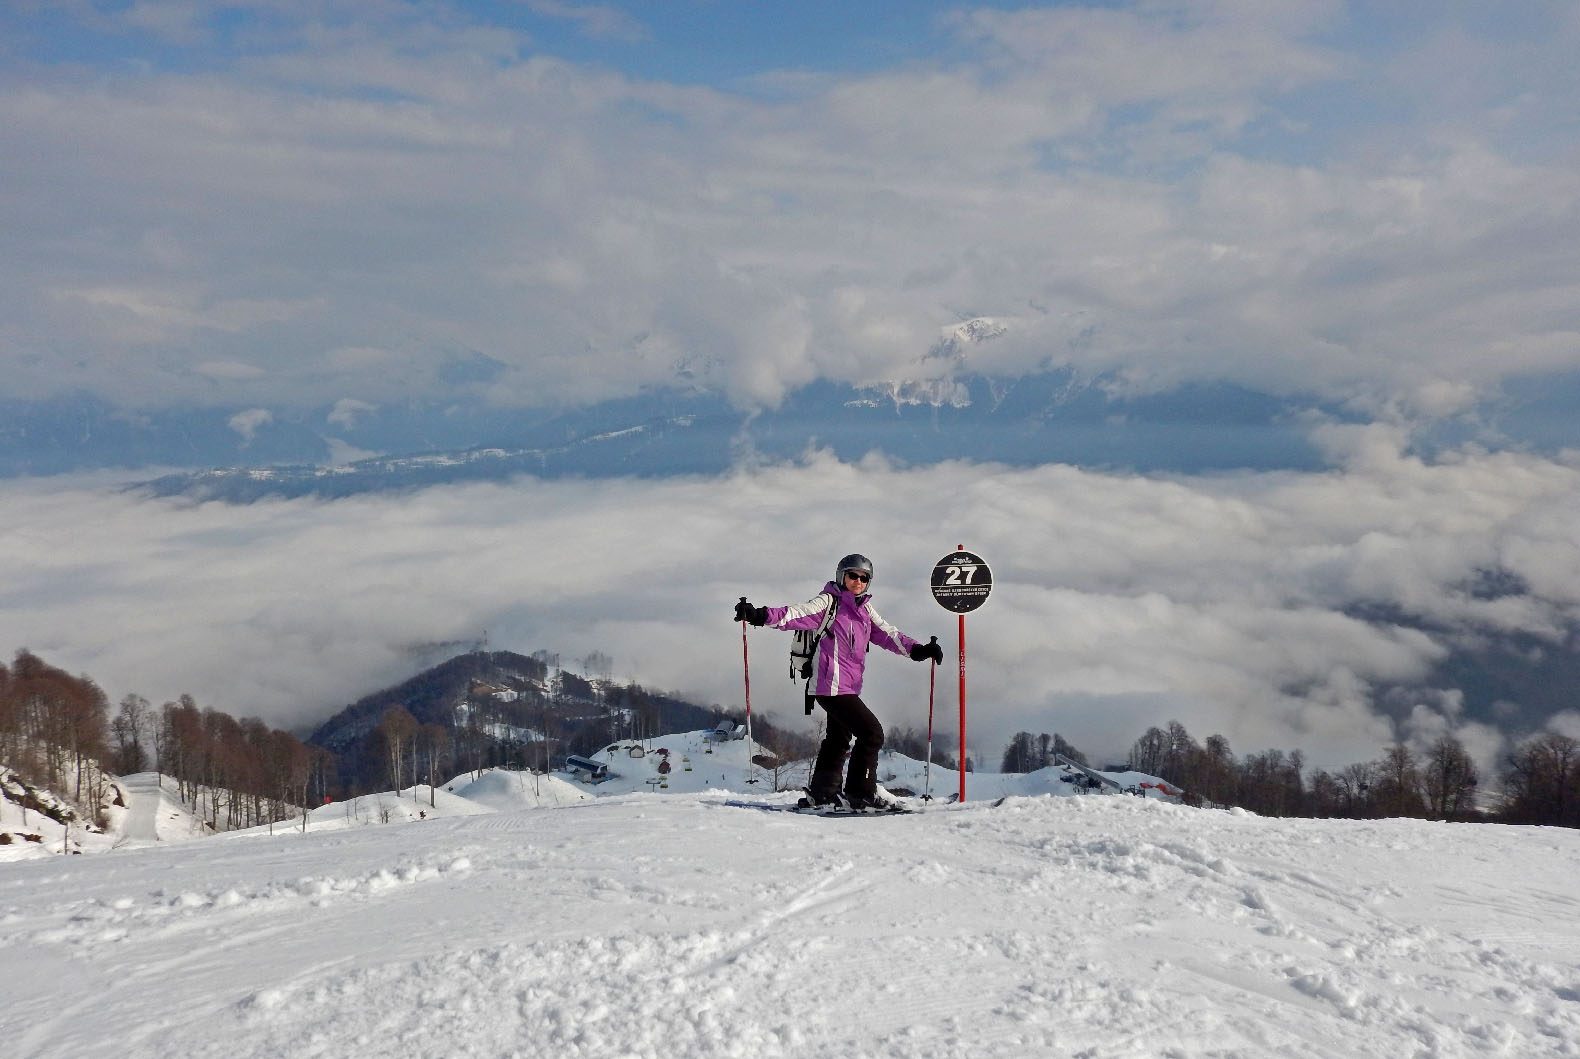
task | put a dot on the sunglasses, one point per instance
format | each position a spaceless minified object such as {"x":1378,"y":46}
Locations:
{"x":859,"y":576}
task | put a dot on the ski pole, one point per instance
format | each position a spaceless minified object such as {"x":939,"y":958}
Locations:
{"x":927,"y":769}
{"x":746,"y":672}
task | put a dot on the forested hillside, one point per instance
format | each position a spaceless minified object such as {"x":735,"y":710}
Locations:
{"x":63,"y":746}
{"x":485,"y":709}
{"x":477,"y":710}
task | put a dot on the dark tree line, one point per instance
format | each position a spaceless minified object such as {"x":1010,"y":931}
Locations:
{"x":1441,"y":786}
{"x":234,"y":773}
{"x":413,"y":752}
{"x":912,"y":742}
{"x":1541,"y":780}
{"x":56,"y":731}
{"x":1028,"y":753}
{"x":500,"y":709}
{"x":53,"y":732}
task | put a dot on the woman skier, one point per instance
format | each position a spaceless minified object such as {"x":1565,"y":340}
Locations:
{"x":841,"y":660}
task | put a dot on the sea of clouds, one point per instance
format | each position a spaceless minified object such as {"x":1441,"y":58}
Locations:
{"x":1236,"y":604}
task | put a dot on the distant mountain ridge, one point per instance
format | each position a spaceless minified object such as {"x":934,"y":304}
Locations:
{"x":504,"y":708}
{"x":1023,"y":421}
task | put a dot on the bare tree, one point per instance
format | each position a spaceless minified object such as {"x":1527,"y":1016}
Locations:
{"x":1149,"y":751}
{"x":1020,"y":755}
{"x":1542,"y":783}
{"x":10,"y":716}
{"x":1357,"y":784}
{"x":1449,"y":779}
{"x":1217,"y":779}
{"x":1325,"y":797}
{"x":1179,"y":753}
{"x":1398,"y":791}
{"x":434,"y":741}
{"x":129,"y":729}
{"x":1265,"y":785}
{"x":53,"y":729}
{"x":398,"y":730}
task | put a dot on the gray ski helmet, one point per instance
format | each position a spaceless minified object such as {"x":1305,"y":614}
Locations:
{"x":854,"y":561}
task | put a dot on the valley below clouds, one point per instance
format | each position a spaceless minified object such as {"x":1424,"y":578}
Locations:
{"x":1318,"y":611}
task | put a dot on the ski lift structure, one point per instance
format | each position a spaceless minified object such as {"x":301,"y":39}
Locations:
{"x":586,"y":769}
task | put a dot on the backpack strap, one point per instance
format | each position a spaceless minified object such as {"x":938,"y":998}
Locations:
{"x":810,"y":667}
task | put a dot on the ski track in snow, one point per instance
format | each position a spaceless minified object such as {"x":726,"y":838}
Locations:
{"x":639,"y":926}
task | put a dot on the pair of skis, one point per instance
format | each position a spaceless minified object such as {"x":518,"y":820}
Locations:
{"x":839,"y":811}
{"x":819,"y":810}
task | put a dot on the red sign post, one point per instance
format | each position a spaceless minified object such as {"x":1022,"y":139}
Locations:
{"x":961,"y":583}
{"x":962,"y":760}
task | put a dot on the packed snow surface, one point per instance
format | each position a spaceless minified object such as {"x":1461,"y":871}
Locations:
{"x":564,"y":921}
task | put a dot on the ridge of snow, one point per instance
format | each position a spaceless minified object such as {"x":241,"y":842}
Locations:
{"x":536,"y":916}
{"x":645,"y":925}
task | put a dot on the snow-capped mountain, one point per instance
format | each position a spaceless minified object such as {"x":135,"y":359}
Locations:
{"x":953,"y":406}
{"x":1051,"y":417}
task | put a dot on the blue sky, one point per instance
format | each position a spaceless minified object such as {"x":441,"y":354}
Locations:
{"x":684,"y":41}
{"x":289,"y":204}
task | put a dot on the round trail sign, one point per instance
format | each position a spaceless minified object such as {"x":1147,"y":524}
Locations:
{"x":961,"y":582}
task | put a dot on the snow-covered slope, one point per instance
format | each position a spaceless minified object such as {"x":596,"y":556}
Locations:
{"x":154,"y":813}
{"x":698,"y":762}
{"x":675,"y":925}
{"x":683,"y":763}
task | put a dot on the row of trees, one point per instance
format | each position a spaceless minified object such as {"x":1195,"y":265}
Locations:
{"x":530,"y":731}
{"x":234,"y":773}
{"x":56,"y":731}
{"x":1028,"y":753}
{"x":1540,"y":784}
{"x":413,"y":752}
{"x":501,"y":709}
{"x":1441,"y":785}
{"x":52,"y":730}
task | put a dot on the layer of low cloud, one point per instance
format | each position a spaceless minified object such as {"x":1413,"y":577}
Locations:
{"x":1276,"y":195}
{"x":1228,"y":603}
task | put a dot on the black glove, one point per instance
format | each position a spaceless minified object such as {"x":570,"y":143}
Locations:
{"x":923,"y":651}
{"x":751,"y":615}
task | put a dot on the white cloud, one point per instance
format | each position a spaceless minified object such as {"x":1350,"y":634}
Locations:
{"x":1120,"y":602}
{"x":175,"y":21}
{"x":1159,"y":191}
{"x":248,"y":423}
{"x":348,"y":410}
{"x":596,"y":20}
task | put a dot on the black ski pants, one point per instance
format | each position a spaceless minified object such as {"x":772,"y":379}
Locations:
{"x":848,"y":717}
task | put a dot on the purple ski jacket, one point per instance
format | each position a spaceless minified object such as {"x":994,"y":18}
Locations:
{"x":842,"y":655}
